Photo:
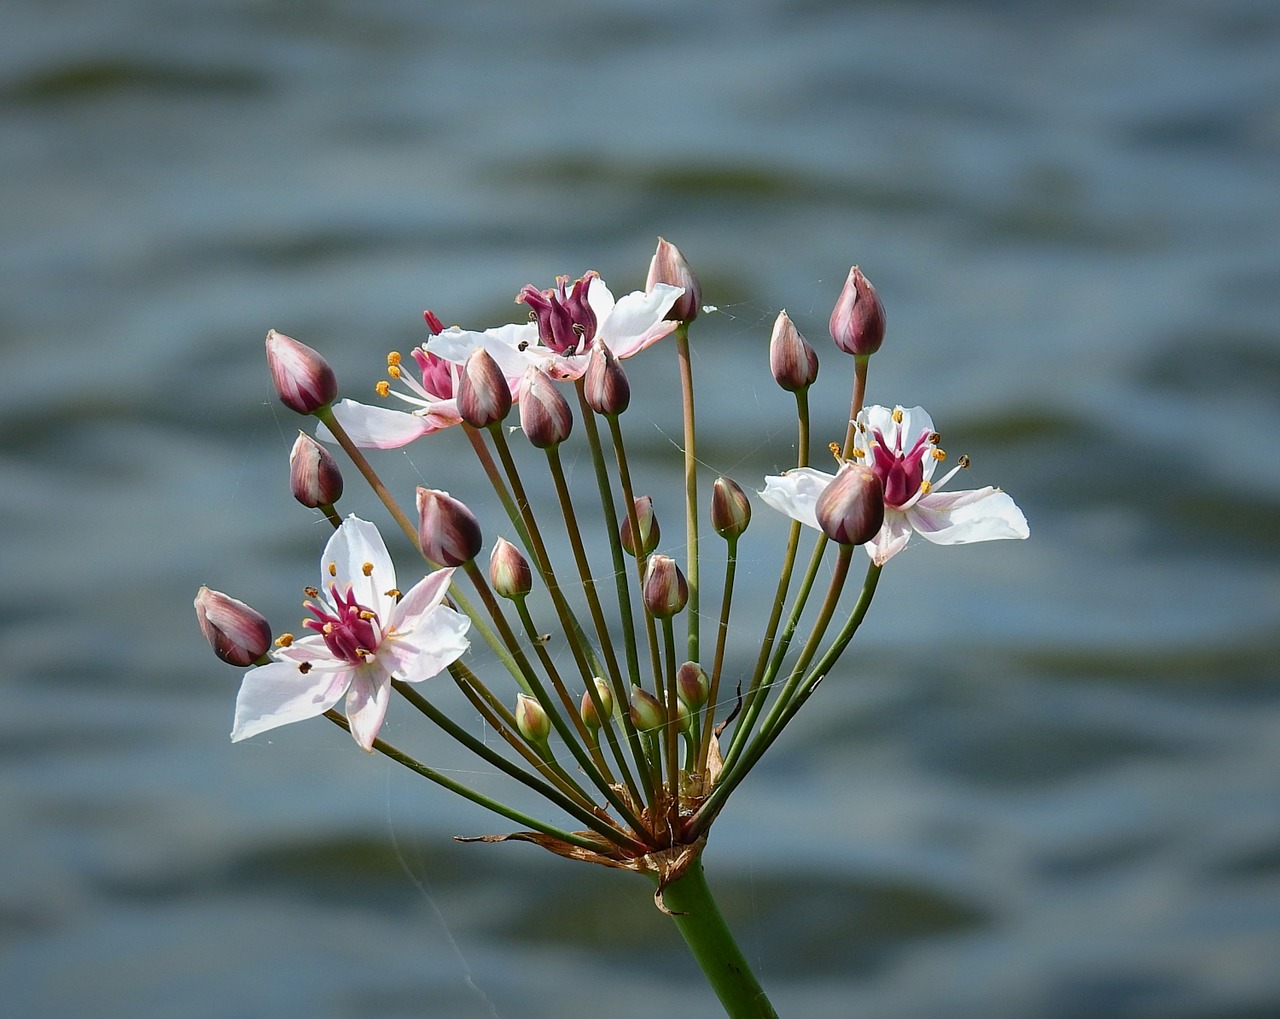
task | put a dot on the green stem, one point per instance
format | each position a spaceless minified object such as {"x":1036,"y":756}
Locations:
{"x":690,"y":486}
{"x":698,"y":919}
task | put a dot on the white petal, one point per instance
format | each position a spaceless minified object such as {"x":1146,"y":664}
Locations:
{"x":367,"y":702}
{"x":503,"y":345}
{"x":600,"y":297}
{"x":381,"y":427}
{"x":354,"y":545}
{"x":956,"y":518}
{"x":279,"y":693}
{"x":638,"y":320}
{"x":425,"y":595}
{"x":891,"y":539}
{"x":796,"y":493}
{"x":438,"y":640}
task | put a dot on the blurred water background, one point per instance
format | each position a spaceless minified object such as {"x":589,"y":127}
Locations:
{"x":1044,"y":784}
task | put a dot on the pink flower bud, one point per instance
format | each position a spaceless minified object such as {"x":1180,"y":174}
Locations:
{"x":313,"y":473}
{"x":238,"y":634}
{"x":857,"y":323}
{"x":730,"y":508}
{"x":544,"y":413}
{"x":665,"y":589}
{"x":851,"y":509}
{"x":484,"y":397}
{"x":668,"y":266}
{"x":605,"y":384}
{"x":647,"y":712}
{"x":303,"y":379}
{"x":532,"y":720}
{"x":792,"y":361}
{"x":590,"y":717}
{"x":649,"y":530}
{"x":509,"y":570}
{"x":693,"y":685}
{"x":448,"y":532}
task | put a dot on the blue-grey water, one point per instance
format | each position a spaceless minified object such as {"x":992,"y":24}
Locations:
{"x":1044,"y":783}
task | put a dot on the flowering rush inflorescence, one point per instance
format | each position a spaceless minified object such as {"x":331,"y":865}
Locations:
{"x":613,"y":707}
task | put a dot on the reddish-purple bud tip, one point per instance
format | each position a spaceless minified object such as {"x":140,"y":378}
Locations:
{"x":484,"y":398}
{"x":544,"y":413}
{"x":693,"y":685}
{"x":238,"y":634}
{"x":668,"y":266}
{"x":649,"y":530}
{"x":303,"y":379}
{"x":851,"y":509}
{"x":448,"y":532}
{"x":313,"y":473}
{"x":665,"y":589}
{"x":857,"y":323}
{"x":791,"y":359}
{"x":647,"y":712}
{"x":434,"y":325}
{"x":605,"y":384}
{"x":730,"y":508}
{"x":509,"y":571}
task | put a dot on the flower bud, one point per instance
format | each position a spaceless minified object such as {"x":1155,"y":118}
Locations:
{"x":684,"y":716}
{"x":544,"y":413}
{"x":668,"y":266}
{"x":851,"y":509}
{"x":693,"y":685}
{"x":857,"y":323}
{"x":590,"y":717}
{"x":665,"y":589}
{"x":238,"y":634}
{"x":509,"y":571}
{"x":649,"y":530}
{"x":448,"y":532}
{"x":484,"y":397}
{"x":303,"y":379}
{"x":730,"y":508}
{"x":647,"y":712}
{"x":532,"y":720}
{"x":313,"y":473}
{"x":605,"y":384}
{"x":791,"y":359}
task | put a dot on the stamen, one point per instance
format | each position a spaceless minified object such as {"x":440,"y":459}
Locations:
{"x":383,"y":388}
{"x":393,"y":359}
{"x":367,"y":614}
{"x":963,"y":461}
{"x":393,"y":593}
{"x":858,"y":454}
{"x":367,"y":569}
{"x":925,"y":488}
{"x":311,"y":592}
{"x":938,"y":454}
{"x":304,"y":667}
{"x":333,"y":569}
{"x":523,"y":345}
{"x":835,"y":450}
{"x":935,"y":437}
{"x":284,"y":640}
{"x":394,"y":371}
{"x":897,"y":415}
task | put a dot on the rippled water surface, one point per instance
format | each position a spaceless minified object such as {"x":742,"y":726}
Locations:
{"x":1044,"y":782}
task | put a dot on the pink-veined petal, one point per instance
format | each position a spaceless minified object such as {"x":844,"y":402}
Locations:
{"x":425,"y":595}
{"x":892,"y":538}
{"x":600,"y":297}
{"x":367,"y":701}
{"x":508,"y":346}
{"x":353,"y":546}
{"x":279,"y":693}
{"x":637,"y":320}
{"x":957,"y":518}
{"x":796,"y":493}
{"x":438,"y":639}
{"x":384,"y":428}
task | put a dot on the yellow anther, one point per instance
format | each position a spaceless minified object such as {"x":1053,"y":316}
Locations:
{"x":284,"y":640}
{"x":367,"y":569}
{"x":897,"y":415}
{"x":393,"y":593}
{"x":393,"y":359}
{"x":368,"y":614}
{"x":383,"y":388}
{"x":311,"y":592}
{"x":333,"y":569}
{"x":938,"y":454}
{"x":925,"y":488}
{"x":858,"y":454}
{"x":393,"y":370}
{"x":835,"y":449}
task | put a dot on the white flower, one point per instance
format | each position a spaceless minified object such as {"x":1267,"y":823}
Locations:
{"x":901,"y":446}
{"x":365,"y":635}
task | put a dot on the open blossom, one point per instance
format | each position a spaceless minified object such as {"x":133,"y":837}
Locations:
{"x":901,"y":447}
{"x":365,"y":635}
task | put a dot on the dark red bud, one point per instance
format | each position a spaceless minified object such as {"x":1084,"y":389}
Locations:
{"x":791,"y":359}
{"x":303,"y":379}
{"x":448,"y":532}
{"x":238,"y":634}
{"x":851,"y":509}
{"x":605,"y":384}
{"x":484,"y":398}
{"x":857,"y":323}
{"x":730,"y":508}
{"x":544,"y":413}
{"x":313,"y":473}
{"x":665,"y":589}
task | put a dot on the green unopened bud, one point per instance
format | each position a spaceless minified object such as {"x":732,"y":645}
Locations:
{"x":793,"y":362}
{"x":649,"y":530}
{"x":647,"y":712}
{"x":590,"y":717}
{"x":851,"y":509}
{"x":730,"y":508}
{"x":532,"y":720}
{"x":544,"y":413}
{"x":684,"y":716}
{"x":665,"y":589}
{"x":313,"y":473}
{"x":693,"y":685}
{"x":509,"y":571}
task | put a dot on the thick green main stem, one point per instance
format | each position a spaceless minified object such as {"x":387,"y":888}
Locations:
{"x":698,"y":918}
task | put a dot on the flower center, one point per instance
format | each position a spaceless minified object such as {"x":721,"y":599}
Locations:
{"x":437,"y":373}
{"x":901,"y":471}
{"x":352,"y":632}
{"x":565,"y":320}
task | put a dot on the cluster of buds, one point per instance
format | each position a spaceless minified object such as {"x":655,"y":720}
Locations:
{"x":615,"y":709}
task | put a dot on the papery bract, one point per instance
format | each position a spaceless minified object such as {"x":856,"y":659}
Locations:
{"x":900,"y":446}
{"x":364,"y":635}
